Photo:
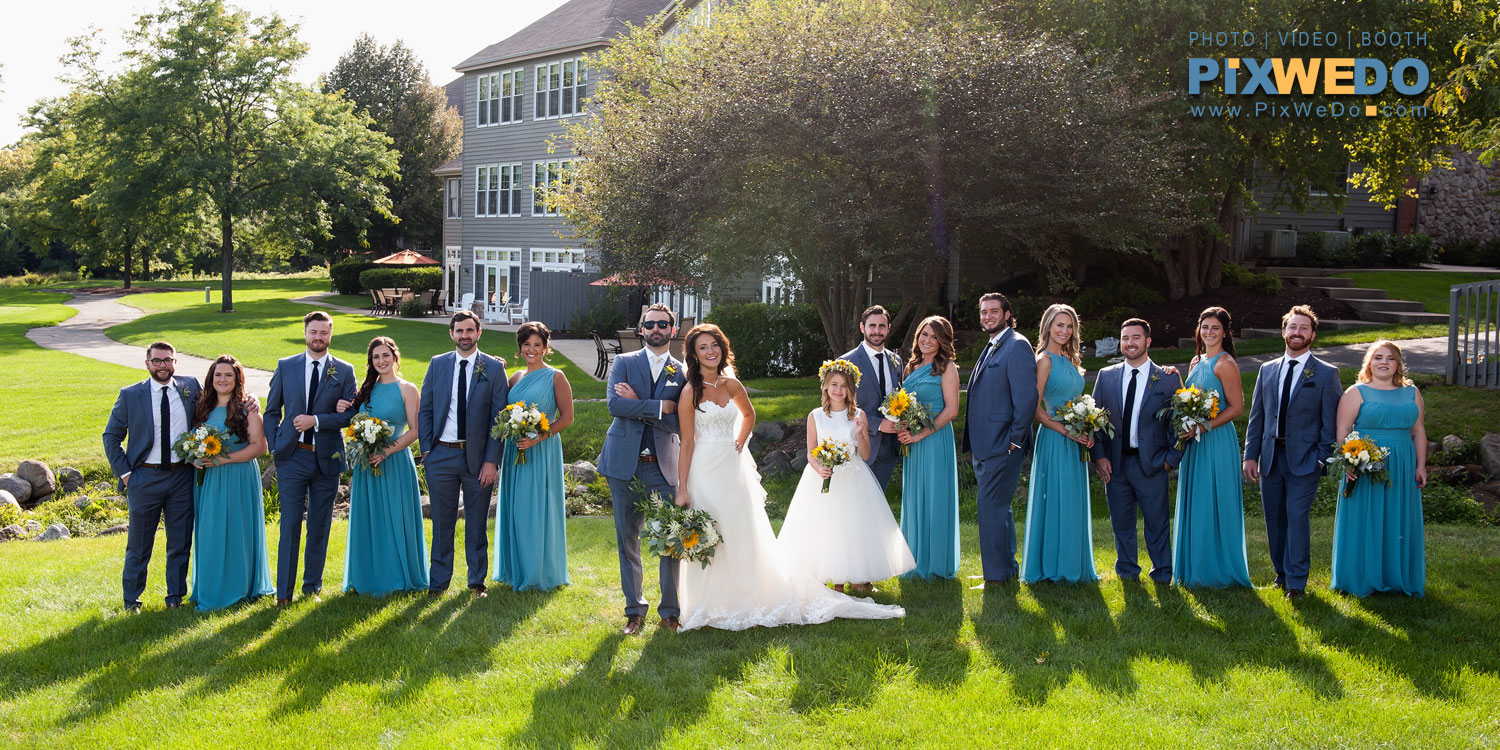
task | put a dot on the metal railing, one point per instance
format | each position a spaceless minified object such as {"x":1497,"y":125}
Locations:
{"x":1474,"y":334}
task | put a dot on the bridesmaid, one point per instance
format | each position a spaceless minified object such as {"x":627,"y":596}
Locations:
{"x":1377,"y":532}
{"x":531,"y":538}
{"x":230,"y":563}
{"x":929,"y":477}
{"x":1059,"y":541}
{"x":1209,"y":533}
{"x":387,"y":548}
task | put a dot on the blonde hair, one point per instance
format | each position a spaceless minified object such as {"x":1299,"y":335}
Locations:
{"x":849,"y":405}
{"x":1074,"y":348}
{"x":1398,"y":377}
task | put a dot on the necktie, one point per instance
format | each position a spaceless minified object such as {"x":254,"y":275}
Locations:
{"x":1129,"y":416}
{"x":463,"y":399}
{"x":312,"y":393}
{"x":166,"y":428}
{"x":1286,"y":398}
{"x":984,"y":355}
{"x":880,"y":368}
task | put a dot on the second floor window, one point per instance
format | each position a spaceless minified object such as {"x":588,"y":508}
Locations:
{"x":500,"y":98}
{"x":451,"y":197}
{"x":561,"y":88}
{"x":547,"y":176}
{"x":497,"y":190}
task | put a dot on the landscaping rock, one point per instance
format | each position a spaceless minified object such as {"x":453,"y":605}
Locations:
{"x":116,"y":529}
{"x":268,"y":477}
{"x":8,"y":499}
{"x":576,"y":490}
{"x":770,"y":432}
{"x":1433,"y":447}
{"x":343,"y":496}
{"x":775,"y":463}
{"x":582,"y":472}
{"x":53,"y":533}
{"x":426,"y":507}
{"x":1489,"y":453}
{"x":82,"y":501}
{"x":494,"y":506}
{"x":341,"y":511}
{"x":1454,"y":475}
{"x":104,"y":488}
{"x":39,"y":475}
{"x":33,"y":526}
{"x":39,"y":499}
{"x":799,"y":460}
{"x":70,"y":479}
{"x":11,"y":532}
{"x":1452,"y":443}
{"x":19,"y":488}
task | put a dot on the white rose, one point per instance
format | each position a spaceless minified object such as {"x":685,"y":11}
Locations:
{"x":1364,"y":456}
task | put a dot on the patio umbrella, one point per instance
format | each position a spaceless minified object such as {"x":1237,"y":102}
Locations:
{"x":405,"y":258}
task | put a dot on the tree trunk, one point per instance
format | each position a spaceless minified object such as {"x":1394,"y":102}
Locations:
{"x":226,"y":257}
{"x":129,"y":246}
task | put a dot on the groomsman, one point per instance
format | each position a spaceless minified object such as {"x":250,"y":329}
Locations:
{"x":879,"y":376}
{"x":154,"y":413}
{"x":1291,"y":431}
{"x":1135,"y":462}
{"x":997,"y":431}
{"x":463,"y":391}
{"x":640,"y":456}
{"x":308,"y":450}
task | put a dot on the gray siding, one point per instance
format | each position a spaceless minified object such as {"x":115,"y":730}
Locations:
{"x":1360,"y":213}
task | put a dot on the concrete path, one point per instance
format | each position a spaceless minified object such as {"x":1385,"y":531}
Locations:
{"x":83,"y":334}
{"x":1421,"y":355}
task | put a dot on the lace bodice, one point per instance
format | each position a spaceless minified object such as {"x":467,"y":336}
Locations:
{"x":836,"y":426}
{"x":716,"y":424}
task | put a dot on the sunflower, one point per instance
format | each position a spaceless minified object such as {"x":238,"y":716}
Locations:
{"x":690,"y":540}
{"x":212,"y":446}
{"x":544,"y":424}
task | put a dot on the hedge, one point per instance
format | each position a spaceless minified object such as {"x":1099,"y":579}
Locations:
{"x":345,"y":275}
{"x":773,"y":340}
{"x":380,"y":277}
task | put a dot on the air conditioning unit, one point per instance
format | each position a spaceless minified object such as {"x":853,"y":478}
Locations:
{"x":1281,"y":243}
{"x":1334,"y":240}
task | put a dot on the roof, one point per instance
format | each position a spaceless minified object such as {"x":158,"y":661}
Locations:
{"x":577,"y":23}
{"x":452,"y":166}
{"x":455,"y":91}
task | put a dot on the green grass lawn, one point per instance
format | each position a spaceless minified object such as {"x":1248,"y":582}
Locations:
{"x":1429,"y":288}
{"x":1048,"y":665}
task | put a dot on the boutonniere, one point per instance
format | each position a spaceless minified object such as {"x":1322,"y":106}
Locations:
{"x":671,"y":371}
{"x":1154,"y":378}
{"x":1307,"y":376}
{"x":185,"y":393}
{"x":479,"y":375}
{"x":332,"y":371}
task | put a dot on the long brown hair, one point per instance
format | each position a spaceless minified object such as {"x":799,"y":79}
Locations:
{"x":1072,"y":350}
{"x":236,"y":416}
{"x":849,"y":405}
{"x":695,"y":368}
{"x":1222,"y":315}
{"x":943,"y":331}
{"x":372,"y":377}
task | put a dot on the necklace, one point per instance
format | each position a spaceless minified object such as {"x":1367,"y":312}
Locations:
{"x":714,"y":384}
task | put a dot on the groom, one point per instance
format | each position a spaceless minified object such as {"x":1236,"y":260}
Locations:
{"x":307,"y":450}
{"x":154,"y":413}
{"x":640,"y":456}
{"x":879,"y":376}
{"x":997,"y":431}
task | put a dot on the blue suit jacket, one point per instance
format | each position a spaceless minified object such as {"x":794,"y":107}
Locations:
{"x":1154,"y":436}
{"x":1002,"y":399}
{"x":489,"y":391}
{"x":1310,"y":416}
{"x":867,"y":396}
{"x":132,"y":416}
{"x":288,"y":398}
{"x":622,"y":442}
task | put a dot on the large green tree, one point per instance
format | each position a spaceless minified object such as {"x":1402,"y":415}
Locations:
{"x":391,"y":85}
{"x":833,"y":140}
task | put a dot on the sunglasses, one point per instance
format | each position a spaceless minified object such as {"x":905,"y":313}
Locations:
{"x":647,"y":325}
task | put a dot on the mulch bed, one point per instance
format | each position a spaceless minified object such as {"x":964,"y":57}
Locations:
{"x":1176,"y":319}
{"x":112,"y":291}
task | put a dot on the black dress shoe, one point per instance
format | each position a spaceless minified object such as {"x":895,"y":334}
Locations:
{"x":133,"y":609}
{"x":633,"y":625}
{"x":1294,"y":594}
{"x":173,"y":605}
{"x":1280,"y":584}
{"x":283,"y":602}
{"x":478,"y":590}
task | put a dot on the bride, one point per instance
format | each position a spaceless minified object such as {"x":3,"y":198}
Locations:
{"x":746,"y":584}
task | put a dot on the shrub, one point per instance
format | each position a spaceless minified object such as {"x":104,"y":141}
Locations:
{"x":344,"y":275}
{"x":1260,"y":283}
{"x":416,"y":307}
{"x":1412,"y":250}
{"x":1367,"y":250}
{"x":1489,"y":252}
{"x":90,"y":519}
{"x":1114,"y":295}
{"x":1028,"y":311}
{"x":1459,"y":251}
{"x":421,"y":279}
{"x":772,"y":340}
{"x":1442,"y":503}
{"x":9,"y":515}
{"x":603,"y":318}
{"x":1314,"y":252}
{"x":1096,"y":329}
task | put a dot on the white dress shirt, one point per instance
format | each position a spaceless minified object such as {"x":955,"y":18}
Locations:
{"x":1141,"y":381}
{"x":450,"y":424}
{"x":1302,"y":362}
{"x":162,"y":454}
{"x":878,"y":361}
{"x":307,"y":363}
{"x":658,"y":361}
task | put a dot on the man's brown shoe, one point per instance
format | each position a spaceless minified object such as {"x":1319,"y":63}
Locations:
{"x":670,"y":623}
{"x":633,"y":625}
{"x":478,"y":590}
{"x":283,"y":602}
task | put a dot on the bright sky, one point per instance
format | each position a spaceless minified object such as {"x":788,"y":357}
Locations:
{"x":442,"y":35}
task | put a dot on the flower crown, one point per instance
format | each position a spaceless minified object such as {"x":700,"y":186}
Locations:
{"x":840,"y":365}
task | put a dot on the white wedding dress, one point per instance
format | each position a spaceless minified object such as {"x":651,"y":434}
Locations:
{"x":748,"y":583}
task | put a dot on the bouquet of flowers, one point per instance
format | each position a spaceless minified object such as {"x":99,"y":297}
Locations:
{"x":831,"y":453}
{"x":1360,"y":456}
{"x":681,"y":533}
{"x":365,"y":436}
{"x":1191,"y":407}
{"x":903,"y":408}
{"x":520,"y":420}
{"x":1082,"y":417}
{"x":204,"y":441}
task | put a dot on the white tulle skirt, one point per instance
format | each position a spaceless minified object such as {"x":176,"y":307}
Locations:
{"x":749,"y":582}
{"x":847,"y":535}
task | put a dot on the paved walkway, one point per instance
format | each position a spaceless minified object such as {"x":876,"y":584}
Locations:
{"x":1421,"y":355}
{"x":83,"y":334}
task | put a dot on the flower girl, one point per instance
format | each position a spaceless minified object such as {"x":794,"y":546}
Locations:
{"x":839,"y":527}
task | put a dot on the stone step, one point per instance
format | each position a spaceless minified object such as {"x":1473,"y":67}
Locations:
{"x":1384,"y":305}
{"x":1322,"y":282}
{"x":1303,"y":272}
{"x":1353,"y":293}
{"x":1323,"y":325}
{"x":1404,"y":318}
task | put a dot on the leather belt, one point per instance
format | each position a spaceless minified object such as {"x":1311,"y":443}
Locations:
{"x":1280,"y":442}
{"x":307,"y":447}
{"x":169,"y":467}
{"x":646,"y":458}
{"x":1128,"y":451}
{"x":459,"y":444}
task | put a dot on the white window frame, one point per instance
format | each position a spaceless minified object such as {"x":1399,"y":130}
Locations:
{"x":453,"y":198}
{"x":501,"y":179}
{"x":559,"y":89}
{"x":453,"y":275}
{"x":545,"y":177}
{"x":497,"y":98}
{"x":558,"y":259}
{"x":1341,"y":177}
{"x":502,"y":260}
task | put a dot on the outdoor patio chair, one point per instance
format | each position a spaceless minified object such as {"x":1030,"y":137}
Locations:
{"x":439,"y":300}
{"x":602,"y":368}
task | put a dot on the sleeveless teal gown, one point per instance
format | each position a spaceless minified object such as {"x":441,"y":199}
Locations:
{"x":1377,"y":532}
{"x":929,"y":487}
{"x":387,"y":548}
{"x":1059,"y":541}
{"x":1208,"y":538}
{"x":531,"y":535}
{"x":230,"y":562}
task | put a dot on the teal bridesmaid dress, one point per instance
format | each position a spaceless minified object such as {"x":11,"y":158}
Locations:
{"x":1208,"y":538}
{"x":1059,"y":541}
{"x":387,"y":548}
{"x":230,"y":563}
{"x":1377,"y":532}
{"x":929,"y":487}
{"x":531,"y":535}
